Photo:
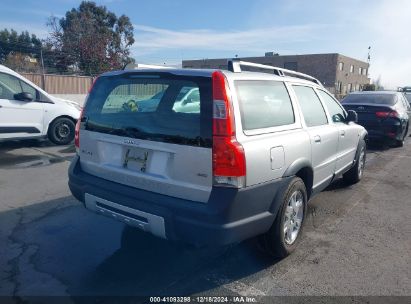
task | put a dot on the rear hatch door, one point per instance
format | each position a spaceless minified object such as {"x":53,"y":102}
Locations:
{"x":132,"y":133}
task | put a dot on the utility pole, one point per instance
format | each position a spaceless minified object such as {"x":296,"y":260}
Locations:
{"x":43,"y":76}
{"x":368,"y":59}
{"x":369,"y":55}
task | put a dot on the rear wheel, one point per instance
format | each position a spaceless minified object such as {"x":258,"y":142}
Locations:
{"x":284,"y":234}
{"x":61,"y":131}
{"x":400,"y":143}
{"x":355,"y":174}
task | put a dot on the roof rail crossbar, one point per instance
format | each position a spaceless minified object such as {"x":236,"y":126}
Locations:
{"x":234,"y":65}
{"x":134,"y":66}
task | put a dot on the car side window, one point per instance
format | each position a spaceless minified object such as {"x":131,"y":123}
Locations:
{"x":336,"y":111}
{"x":264,"y":104}
{"x":28,"y":89}
{"x":311,"y":107}
{"x":194,"y":96}
{"x":189,"y":101}
{"x":10,"y":85}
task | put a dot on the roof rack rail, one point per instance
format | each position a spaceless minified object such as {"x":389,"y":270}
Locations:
{"x":134,"y":66}
{"x":234,"y":65}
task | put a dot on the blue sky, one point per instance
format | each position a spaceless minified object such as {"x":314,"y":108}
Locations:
{"x":169,"y":31}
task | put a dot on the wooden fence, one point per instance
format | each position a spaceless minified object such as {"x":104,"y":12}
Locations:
{"x":61,"y":84}
{"x":70,"y":84}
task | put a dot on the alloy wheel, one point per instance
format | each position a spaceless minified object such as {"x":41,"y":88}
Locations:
{"x":293,"y":217}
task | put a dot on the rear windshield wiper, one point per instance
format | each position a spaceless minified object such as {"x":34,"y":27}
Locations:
{"x":128,"y":132}
{"x":177,"y":139}
{"x":133,"y":132}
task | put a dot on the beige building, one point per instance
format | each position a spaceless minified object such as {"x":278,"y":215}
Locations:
{"x":338,"y":73}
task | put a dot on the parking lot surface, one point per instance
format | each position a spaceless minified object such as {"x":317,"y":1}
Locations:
{"x":356,"y":239}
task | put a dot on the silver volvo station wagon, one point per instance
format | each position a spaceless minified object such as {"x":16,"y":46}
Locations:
{"x":213,"y":157}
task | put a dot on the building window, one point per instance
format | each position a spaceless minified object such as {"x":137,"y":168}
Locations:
{"x":351,"y":69}
{"x":341,"y":66}
{"x":364,"y":72}
{"x":291,"y":66}
{"x":360,"y":71}
{"x":350,"y":87}
{"x":338,"y":87}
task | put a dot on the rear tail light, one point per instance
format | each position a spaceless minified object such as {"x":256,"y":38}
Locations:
{"x":77,"y":130}
{"x":229,"y":167}
{"x":386,"y":114}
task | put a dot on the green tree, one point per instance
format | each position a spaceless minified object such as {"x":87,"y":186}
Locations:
{"x":369,"y":87}
{"x":13,"y":43}
{"x":90,"y":39}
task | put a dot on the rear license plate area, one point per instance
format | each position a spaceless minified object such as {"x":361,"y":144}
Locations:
{"x":136,"y":159}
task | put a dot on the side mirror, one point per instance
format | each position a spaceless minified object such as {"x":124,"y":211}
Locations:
{"x":352,"y":116}
{"x":23,"y":96}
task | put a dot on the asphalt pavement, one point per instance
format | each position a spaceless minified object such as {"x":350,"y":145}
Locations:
{"x":356,"y":240}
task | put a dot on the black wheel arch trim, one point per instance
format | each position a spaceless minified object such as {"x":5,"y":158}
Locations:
{"x":364,"y":135}
{"x":296,"y":166}
{"x":302,"y":168}
{"x":58,"y":117}
{"x":357,"y":153}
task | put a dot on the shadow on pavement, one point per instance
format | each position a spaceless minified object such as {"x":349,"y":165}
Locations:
{"x":32,"y":157}
{"x":25,"y":143}
{"x":34,"y":143}
{"x":83,"y":251}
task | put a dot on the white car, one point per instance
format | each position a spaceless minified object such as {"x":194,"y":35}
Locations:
{"x":26,"y":111}
{"x":189,"y":103}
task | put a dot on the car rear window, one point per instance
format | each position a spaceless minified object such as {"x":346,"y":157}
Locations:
{"x":264,"y":104}
{"x":386,"y":99}
{"x":159,"y":107}
{"x":408,"y":96}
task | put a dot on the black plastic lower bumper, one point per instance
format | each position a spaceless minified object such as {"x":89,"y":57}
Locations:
{"x":230,"y":215}
{"x":389,"y":130}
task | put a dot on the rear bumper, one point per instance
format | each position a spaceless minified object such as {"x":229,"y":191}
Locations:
{"x":230,"y":215}
{"x":391,"y":129}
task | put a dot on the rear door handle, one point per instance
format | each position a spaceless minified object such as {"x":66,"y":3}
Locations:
{"x":317,"y":139}
{"x":342,"y":133}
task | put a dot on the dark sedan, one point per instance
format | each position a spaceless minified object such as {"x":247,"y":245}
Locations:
{"x":384,"y":114}
{"x":408,"y":96}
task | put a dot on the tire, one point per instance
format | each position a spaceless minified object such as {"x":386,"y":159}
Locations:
{"x":285,"y":233}
{"x":400,"y":143}
{"x":61,"y":131}
{"x":355,"y":174}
